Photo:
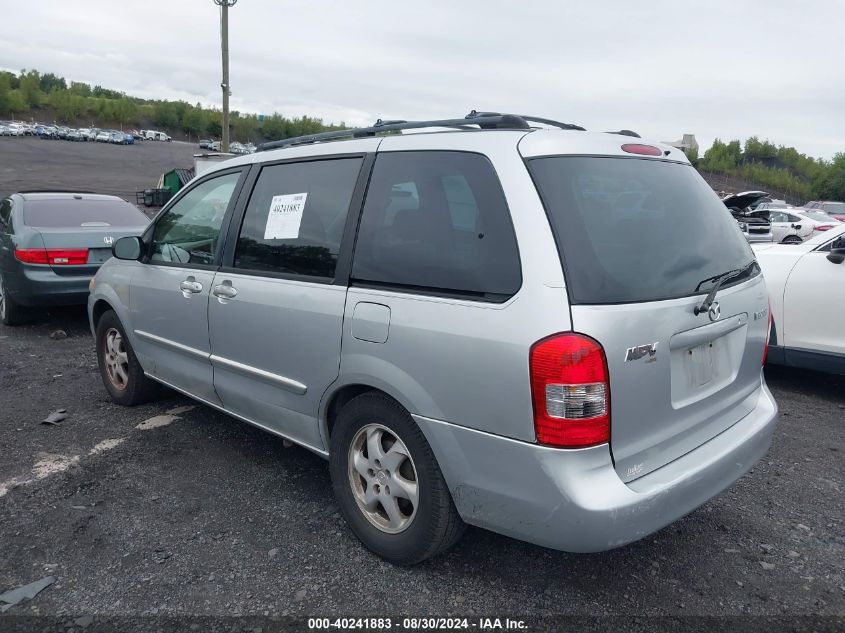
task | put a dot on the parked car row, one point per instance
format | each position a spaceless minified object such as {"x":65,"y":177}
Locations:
{"x":47,"y":131}
{"x":777,"y":221}
{"x":234,"y":148}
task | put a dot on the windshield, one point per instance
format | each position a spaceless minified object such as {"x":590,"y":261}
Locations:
{"x":631,"y":230}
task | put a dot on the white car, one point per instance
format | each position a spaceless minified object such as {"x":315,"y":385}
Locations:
{"x":805,"y":284}
{"x":818,"y":220}
{"x":787,"y":226}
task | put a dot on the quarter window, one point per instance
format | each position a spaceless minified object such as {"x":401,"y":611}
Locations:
{"x":296,"y":216}
{"x":189,"y":231}
{"x":437,"y":222}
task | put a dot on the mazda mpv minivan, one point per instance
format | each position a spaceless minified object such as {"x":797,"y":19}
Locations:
{"x":553,"y":334}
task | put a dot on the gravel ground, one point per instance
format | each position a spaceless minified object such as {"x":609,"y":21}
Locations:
{"x":207,"y":515}
{"x":29,"y":163}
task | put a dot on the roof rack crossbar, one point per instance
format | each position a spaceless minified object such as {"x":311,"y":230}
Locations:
{"x":531,"y":119}
{"x":483,"y":120}
{"x":503,"y":121}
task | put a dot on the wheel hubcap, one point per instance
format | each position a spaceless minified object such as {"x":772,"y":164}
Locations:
{"x":383,"y":478}
{"x":116,"y":359}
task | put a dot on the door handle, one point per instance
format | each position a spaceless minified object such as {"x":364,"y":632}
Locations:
{"x":224,"y":290}
{"x":190,"y":286}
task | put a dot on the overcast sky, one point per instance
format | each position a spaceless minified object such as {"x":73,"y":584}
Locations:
{"x":716,"y":68}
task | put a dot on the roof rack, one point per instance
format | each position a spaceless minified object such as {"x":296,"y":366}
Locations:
{"x":69,"y":191}
{"x":483,"y":120}
{"x":626,"y":133}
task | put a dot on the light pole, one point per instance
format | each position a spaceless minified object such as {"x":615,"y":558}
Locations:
{"x":224,"y":85}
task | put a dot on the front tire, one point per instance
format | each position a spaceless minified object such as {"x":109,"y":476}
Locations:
{"x":388,"y":484}
{"x":120,"y":370}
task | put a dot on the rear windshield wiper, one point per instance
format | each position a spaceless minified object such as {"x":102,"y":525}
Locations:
{"x":719,"y":280}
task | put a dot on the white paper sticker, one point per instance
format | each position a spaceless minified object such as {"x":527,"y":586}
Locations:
{"x":285,"y":216}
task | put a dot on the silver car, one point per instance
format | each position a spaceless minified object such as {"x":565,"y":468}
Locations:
{"x":497,"y":325}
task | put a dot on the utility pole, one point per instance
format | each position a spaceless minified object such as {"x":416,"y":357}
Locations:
{"x":224,"y":85}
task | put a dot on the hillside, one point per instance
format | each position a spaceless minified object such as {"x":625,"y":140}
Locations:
{"x":48,"y":98}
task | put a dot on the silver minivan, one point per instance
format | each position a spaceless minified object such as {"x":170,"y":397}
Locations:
{"x":502,"y":321}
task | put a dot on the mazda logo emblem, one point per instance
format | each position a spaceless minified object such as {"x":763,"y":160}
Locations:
{"x":715,"y":311}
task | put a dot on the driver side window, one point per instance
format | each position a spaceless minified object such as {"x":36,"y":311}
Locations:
{"x":188,"y":233}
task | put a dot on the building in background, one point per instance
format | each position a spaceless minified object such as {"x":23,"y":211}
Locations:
{"x":686,"y":144}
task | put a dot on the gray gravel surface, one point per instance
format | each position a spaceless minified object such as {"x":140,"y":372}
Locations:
{"x":207,"y":515}
{"x":29,"y":163}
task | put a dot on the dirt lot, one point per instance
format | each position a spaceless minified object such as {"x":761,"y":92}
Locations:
{"x":206,"y":515}
{"x":29,"y":163}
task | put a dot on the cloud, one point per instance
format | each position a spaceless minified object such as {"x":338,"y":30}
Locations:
{"x":721,"y":68}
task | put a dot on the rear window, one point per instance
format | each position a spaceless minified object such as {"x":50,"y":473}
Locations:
{"x":820,"y":216}
{"x":833,"y":207}
{"x":80,"y":213}
{"x":631,"y":230}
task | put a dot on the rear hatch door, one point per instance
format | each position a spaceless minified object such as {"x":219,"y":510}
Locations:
{"x":642,"y":242}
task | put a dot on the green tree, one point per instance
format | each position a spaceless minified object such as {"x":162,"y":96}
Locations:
{"x":50,"y":83}
{"x":80,"y":89}
{"x":17,"y":103}
{"x":5,"y":89}
{"x":30,"y":87}
{"x":830,"y":183}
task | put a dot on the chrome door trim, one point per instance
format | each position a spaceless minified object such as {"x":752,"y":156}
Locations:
{"x":319,"y":451}
{"x":166,"y":342}
{"x":287,"y":383}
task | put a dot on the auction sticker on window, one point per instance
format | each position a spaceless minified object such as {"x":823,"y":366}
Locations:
{"x":285,"y":216}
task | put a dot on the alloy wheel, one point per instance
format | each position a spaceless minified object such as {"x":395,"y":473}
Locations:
{"x":383,"y":478}
{"x":116,"y":359}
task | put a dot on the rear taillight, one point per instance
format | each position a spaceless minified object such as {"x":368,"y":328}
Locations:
{"x":570,"y":390}
{"x":644,"y":150}
{"x":824,"y":227}
{"x":53,"y":256}
{"x":768,"y":335}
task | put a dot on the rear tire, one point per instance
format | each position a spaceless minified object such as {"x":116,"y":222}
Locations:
{"x":376,"y":445}
{"x":10,"y":312}
{"x":792,"y":239}
{"x":120,"y":370}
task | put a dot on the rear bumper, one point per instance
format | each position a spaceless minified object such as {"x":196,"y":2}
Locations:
{"x":573,"y":500}
{"x":759,"y":238}
{"x":34,"y":286}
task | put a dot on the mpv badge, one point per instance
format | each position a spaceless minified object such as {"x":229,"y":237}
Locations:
{"x":641,"y":351}
{"x":715,"y":311}
{"x":108,"y":239}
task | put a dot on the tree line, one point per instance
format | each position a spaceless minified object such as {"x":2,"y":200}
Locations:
{"x":30,"y":94}
{"x":780,"y":168}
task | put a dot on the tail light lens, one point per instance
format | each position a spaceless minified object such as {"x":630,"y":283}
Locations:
{"x":768,"y":335}
{"x":53,"y":256}
{"x":645,"y":150}
{"x":570,"y":391}
{"x":824,"y":227}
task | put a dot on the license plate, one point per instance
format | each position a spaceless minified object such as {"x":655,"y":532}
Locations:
{"x":98,"y":255}
{"x":700,"y":364}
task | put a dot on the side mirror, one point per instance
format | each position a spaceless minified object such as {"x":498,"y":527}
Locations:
{"x":836,"y":256}
{"x":128,"y":248}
